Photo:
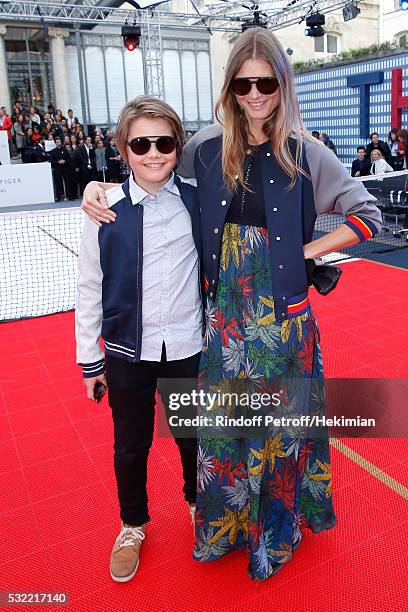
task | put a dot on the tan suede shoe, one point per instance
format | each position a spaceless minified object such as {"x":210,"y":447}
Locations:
{"x":124,"y":559}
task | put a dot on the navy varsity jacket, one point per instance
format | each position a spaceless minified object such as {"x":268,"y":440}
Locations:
{"x":109,"y":297}
{"x":290,"y":214}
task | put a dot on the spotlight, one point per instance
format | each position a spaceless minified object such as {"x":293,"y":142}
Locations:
{"x":131,"y":36}
{"x":350,"y":11}
{"x":314,"y":25}
{"x":257,"y":22}
{"x":404,"y":5}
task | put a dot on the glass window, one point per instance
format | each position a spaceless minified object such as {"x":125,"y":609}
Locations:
{"x":331,"y":44}
{"x":319,"y":44}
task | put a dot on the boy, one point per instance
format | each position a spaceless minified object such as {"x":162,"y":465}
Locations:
{"x":138,"y":288}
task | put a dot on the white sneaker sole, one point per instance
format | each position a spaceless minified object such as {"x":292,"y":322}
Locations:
{"x":125,"y":578}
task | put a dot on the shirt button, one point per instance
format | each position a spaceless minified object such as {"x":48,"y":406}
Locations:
{"x":275,"y":209}
{"x":280,"y":267}
{"x":215,"y":230}
{"x":271,"y":181}
{"x":211,"y":293}
{"x":214,"y":256}
{"x":268,"y":155}
{"x":282,"y":314}
{"x":213,"y":282}
{"x":277,"y":237}
{"x":284,"y":298}
{"x":223,"y":203}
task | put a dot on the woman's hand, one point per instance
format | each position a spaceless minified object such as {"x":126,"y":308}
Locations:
{"x":94,"y":202}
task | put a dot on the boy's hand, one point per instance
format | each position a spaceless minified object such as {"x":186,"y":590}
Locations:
{"x":90,"y":385}
{"x":94,"y":202}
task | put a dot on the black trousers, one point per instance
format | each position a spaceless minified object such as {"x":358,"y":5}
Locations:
{"x":132,"y":388}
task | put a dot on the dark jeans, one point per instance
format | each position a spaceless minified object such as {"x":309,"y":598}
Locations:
{"x":132,"y":388}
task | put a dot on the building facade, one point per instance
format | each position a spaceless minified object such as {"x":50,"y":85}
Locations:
{"x":40,"y":67}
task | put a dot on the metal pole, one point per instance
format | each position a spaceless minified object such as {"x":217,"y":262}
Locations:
{"x":106,"y":80}
{"x":30,"y":74}
{"x":81,"y":80}
{"x":196,"y":80}
{"x":181,"y":83}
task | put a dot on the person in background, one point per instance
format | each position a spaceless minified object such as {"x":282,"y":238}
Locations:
{"x":113,"y":161}
{"x":72,"y":173}
{"x":86,"y":160}
{"x":395,"y":160}
{"x":40,"y":153}
{"x":100,"y":159}
{"x":378,"y":163}
{"x":329,"y":143}
{"x":36,"y":133}
{"x":19,"y":134}
{"x":59,"y":163}
{"x":402,"y":147}
{"x":360,"y":166}
{"x":189,"y":135}
{"x":71,"y":120}
{"x":376,"y":143}
{"x":5,"y":123}
{"x":34,"y":115}
{"x":316,"y":134}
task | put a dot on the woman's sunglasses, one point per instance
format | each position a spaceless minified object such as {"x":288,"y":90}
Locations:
{"x":164,"y":144}
{"x":265,"y":85}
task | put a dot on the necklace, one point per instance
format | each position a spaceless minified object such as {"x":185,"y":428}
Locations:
{"x":246,"y":178}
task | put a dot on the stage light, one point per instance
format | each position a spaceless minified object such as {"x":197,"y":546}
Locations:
{"x":350,"y":11}
{"x":314,"y":25}
{"x":404,"y":5}
{"x":131,"y":37}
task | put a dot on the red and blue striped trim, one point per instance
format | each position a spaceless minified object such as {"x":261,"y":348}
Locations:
{"x":294,"y":309}
{"x":363,"y":227}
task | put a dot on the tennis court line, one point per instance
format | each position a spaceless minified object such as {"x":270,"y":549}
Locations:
{"x":372,"y":469}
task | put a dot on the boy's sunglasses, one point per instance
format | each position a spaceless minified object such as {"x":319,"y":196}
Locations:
{"x":164,"y":144}
{"x":265,"y":85}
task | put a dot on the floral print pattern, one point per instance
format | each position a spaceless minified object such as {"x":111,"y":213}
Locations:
{"x":257,"y":493}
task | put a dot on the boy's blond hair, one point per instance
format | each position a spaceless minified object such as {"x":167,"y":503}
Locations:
{"x":151,"y":107}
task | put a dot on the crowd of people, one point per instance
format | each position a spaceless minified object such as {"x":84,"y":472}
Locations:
{"x":77,"y":159}
{"x":377,"y":156}
{"x":52,"y":137}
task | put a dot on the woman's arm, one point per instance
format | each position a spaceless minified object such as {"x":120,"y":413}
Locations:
{"x":336,"y":191}
{"x":336,"y":240}
{"x":94,"y":202}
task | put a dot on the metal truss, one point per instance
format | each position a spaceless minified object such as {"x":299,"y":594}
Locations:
{"x":226,"y":16}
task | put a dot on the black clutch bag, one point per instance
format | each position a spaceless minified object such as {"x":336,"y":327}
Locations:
{"x":323,"y":277}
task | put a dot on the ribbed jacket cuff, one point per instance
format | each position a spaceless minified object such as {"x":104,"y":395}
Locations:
{"x":363,"y":227}
{"x":89,"y":370}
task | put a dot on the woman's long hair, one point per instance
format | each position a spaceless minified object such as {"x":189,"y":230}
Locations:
{"x":258,"y":43}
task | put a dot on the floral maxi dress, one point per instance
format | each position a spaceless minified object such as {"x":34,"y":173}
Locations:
{"x":256,"y":493}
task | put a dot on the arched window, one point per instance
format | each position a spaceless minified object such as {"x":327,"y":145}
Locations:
{"x":401,"y":38}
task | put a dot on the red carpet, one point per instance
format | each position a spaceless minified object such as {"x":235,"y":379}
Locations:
{"x":58,"y":508}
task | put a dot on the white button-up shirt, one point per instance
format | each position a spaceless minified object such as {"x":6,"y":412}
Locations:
{"x":171,"y":304}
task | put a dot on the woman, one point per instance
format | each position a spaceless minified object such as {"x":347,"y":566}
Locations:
{"x":378,"y":163}
{"x":261,"y":180}
{"x":396,"y":160}
{"x":113,"y":161}
{"x":19,"y":133}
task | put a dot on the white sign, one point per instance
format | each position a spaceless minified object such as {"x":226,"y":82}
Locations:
{"x":4,"y":148}
{"x":49,"y":145}
{"x":26,"y":184}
